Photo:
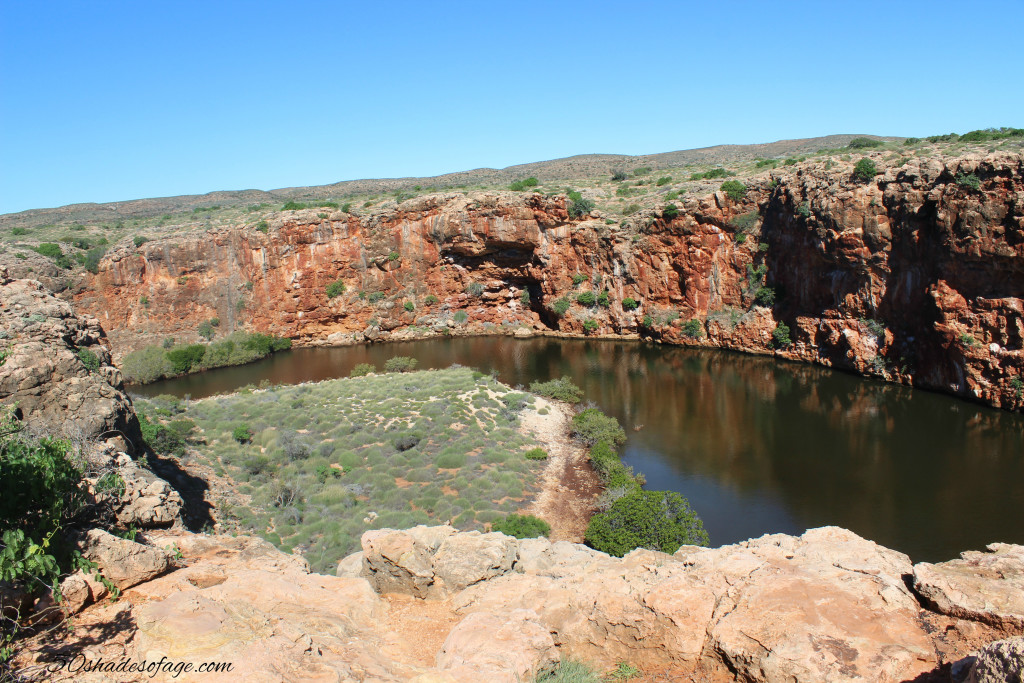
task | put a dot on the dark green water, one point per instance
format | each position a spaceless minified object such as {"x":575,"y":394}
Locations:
{"x":758,"y":446}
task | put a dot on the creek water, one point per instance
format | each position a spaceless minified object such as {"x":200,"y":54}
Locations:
{"x":756,"y":445}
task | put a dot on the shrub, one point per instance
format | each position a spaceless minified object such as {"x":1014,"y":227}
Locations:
{"x":586,"y":299}
{"x":591,"y":426}
{"x":89,"y":359}
{"x":524,"y":297}
{"x":205,"y":330}
{"x":139,"y":240}
{"x":400,"y":364}
{"x":347,"y":207}
{"x":560,"y":306}
{"x":409,"y":306}
{"x":911,"y":141}
{"x":475,"y":289}
{"x":184,"y":358}
{"x":648,"y":321}
{"x":561,"y":389}
{"x":603,"y":299}
{"x":664,"y":180}
{"x":522,"y":526}
{"x":54,"y":251}
{"x":336,"y":288}
{"x":630,"y":304}
{"x":578,"y":279}
{"x":92,"y":259}
{"x":765,"y":296}
{"x":670,"y":212}
{"x":242,"y":434}
{"x":520,"y":185}
{"x":630,"y":210}
{"x":263,"y":226}
{"x":293,"y":206}
{"x":460,"y":317}
{"x":394,"y":256}
{"x":536,"y":454}
{"x":780,"y":336}
{"x":804,"y":209}
{"x":146,"y":365}
{"x":362,"y":369}
{"x":734,"y":189}
{"x":865,"y":169}
{"x":430,"y":300}
{"x":590,"y":325}
{"x":745,"y":221}
{"x":864,"y":143}
{"x":693,"y":328}
{"x":578,"y":206}
{"x":969,"y":181}
{"x":19,"y":231}
{"x":618,"y":175}
{"x":658,"y":520}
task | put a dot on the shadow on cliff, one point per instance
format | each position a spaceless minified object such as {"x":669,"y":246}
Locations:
{"x":197,"y":509}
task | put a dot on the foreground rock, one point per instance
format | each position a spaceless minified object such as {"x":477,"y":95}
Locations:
{"x":986,"y":587}
{"x":824,"y":606}
{"x":58,"y":370}
{"x":999,"y":662}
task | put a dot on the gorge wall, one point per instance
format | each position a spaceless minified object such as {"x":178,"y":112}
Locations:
{"x":913,"y":277}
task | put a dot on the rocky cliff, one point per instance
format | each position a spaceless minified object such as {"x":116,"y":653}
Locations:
{"x":916,"y":276}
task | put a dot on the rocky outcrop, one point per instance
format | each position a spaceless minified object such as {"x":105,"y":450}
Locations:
{"x":121,"y":561}
{"x":824,"y":606}
{"x":915,"y":277}
{"x":983,"y":586}
{"x":999,"y":662}
{"x":58,"y":369}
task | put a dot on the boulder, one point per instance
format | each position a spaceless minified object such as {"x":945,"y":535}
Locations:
{"x":148,"y":501}
{"x":351,"y":565}
{"x":984,"y":586}
{"x":999,"y":662}
{"x":470,"y":557}
{"x":124,"y":563}
{"x":509,"y":648}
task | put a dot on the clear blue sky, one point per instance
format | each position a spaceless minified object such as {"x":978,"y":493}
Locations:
{"x":105,"y":101}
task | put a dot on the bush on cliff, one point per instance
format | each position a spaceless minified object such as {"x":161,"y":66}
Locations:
{"x":734,"y":189}
{"x":578,"y":206}
{"x":657,"y":520}
{"x":522,"y":526}
{"x":865,"y":170}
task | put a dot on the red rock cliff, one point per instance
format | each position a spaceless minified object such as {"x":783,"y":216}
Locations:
{"x":913,"y":277}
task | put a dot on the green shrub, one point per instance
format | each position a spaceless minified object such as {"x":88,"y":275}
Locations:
{"x":362,"y":369}
{"x":590,"y":325}
{"x":670,"y":212}
{"x":618,"y":175}
{"x":658,"y":520}
{"x":578,"y":206}
{"x":864,"y":143}
{"x":561,"y":389}
{"x":604,"y":299}
{"x":336,"y":288}
{"x":522,"y":526}
{"x":536,"y":454}
{"x":430,"y":300}
{"x":460,"y":317}
{"x":524,"y":297}
{"x":664,"y":180}
{"x":205,"y":330}
{"x":648,"y":321}
{"x":146,"y":365}
{"x":630,"y":304}
{"x":139,"y":240}
{"x":293,"y":206}
{"x":630,"y":210}
{"x":184,"y":358}
{"x":591,"y":426}
{"x":642,"y":171}
{"x":969,"y":181}
{"x":586,"y":299}
{"x":766,"y":163}
{"x":578,"y":279}
{"x":19,"y":231}
{"x":520,"y":185}
{"x":347,"y":207}
{"x":409,"y":306}
{"x":54,"y":251}
{"x":571,"y":671}
{"x":712,"y":174}
{"x":968,"y":340}
{"x":394,"y":256}
{"x":804,"y":209}
{"x":734,"y":189}
{"x":263,"y":226}
{"x":765,"y":296}
{"x":475,"y":289}
{"x":242,"y":434}
{"x":89,"y":359}
{"x":693,"y":328}
{"x":865,"y":170}
{"x":560,"y":306}
{"x":780,"y":336}
{"x":746,"y":221}
{"x":400,"y":364}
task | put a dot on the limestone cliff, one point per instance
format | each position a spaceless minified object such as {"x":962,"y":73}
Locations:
{"x":916,"y":276}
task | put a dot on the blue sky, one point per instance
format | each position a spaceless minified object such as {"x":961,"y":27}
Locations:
{"x":106,"y":101}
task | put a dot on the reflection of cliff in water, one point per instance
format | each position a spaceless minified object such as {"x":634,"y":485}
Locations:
{"x":757,"y":445}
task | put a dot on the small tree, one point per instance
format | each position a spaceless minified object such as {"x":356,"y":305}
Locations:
{"x":242,"y":434}
{"x":629,"y":304}
{"x":578,"y":206}
{"x":734,"y":189}
{"x":780,"y":336}
{"x":658,"y":520}
{"x":865,"y":170}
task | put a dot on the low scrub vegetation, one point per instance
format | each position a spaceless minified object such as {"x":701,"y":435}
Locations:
{"x":156,"y":362}
{"x":419,"y":448}
{"x":561,"y":389}
{"x":522,"y":526}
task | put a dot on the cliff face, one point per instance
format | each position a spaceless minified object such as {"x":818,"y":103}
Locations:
{"x":914,"y":276}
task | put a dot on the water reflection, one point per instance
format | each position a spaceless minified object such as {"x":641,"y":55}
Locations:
{"x":757,"y":445}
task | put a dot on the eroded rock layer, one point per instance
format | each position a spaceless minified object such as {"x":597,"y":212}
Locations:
{"x":915,"y":276}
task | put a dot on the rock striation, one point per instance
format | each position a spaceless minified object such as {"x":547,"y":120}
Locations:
{"x":916,"y":276}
